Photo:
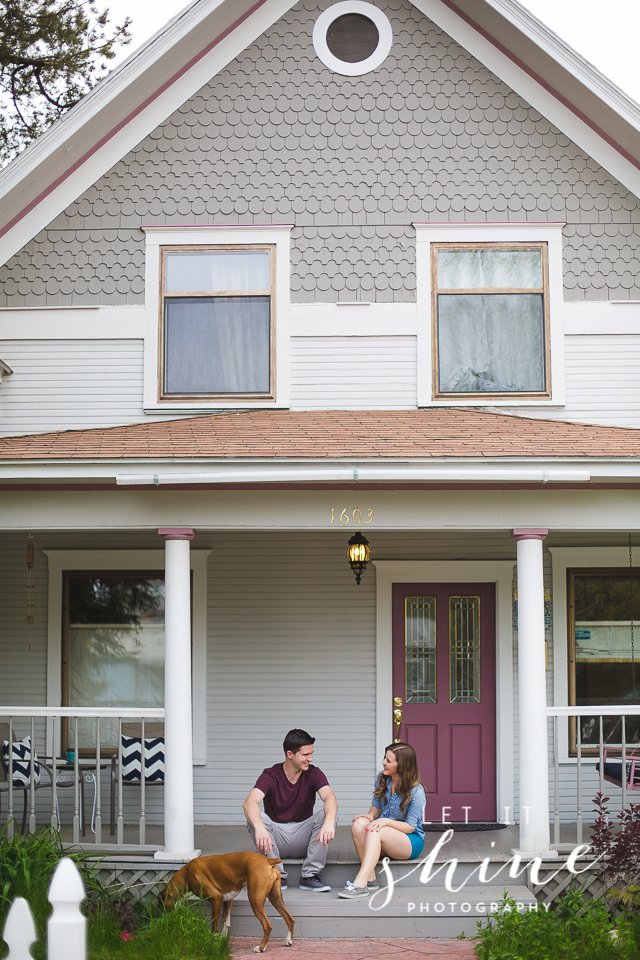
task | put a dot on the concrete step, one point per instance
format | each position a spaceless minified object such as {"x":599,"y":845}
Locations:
{"x":465,"y":872}
{"x":416,"y":911}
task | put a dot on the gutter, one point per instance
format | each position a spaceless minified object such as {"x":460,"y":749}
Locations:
{"x":262,"y":474}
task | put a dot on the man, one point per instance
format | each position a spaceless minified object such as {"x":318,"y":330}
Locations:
{"x":288,"y":826}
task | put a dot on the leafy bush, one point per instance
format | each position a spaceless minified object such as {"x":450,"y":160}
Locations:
{"x":617,"y":845}
{"x":576,"y":928}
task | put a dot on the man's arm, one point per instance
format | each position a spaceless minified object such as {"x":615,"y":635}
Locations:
{"x":328,"y":828}
{"x":251,"y":807}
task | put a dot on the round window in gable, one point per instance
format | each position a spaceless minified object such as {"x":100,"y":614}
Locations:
{"x":352,"y":37}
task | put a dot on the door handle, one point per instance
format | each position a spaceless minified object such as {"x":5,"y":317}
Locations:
{"x":397,"y":717}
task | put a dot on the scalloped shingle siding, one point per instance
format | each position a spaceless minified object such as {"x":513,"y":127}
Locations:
{"x":430,"y":135}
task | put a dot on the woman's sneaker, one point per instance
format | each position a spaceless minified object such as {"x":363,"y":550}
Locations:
{"x":373,"y":885}
{"x":351,"y":892}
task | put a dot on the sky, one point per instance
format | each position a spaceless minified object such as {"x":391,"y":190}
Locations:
{"x":607,"y":40}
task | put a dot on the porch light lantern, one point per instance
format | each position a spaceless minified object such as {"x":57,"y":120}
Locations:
{"x":358,"y":555}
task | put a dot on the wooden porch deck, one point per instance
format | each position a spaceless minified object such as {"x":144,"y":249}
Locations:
{"x":466,"y":846}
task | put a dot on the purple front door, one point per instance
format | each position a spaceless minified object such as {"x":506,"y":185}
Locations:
{"x":444,"y":674}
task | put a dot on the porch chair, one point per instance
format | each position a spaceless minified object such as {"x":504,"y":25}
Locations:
{"x":21,"y":756}
{"x":132,"y":760}
{"x":612,"y":767}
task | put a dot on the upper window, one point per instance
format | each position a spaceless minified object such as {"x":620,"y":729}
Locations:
{"x":217,"y":305}
{"x":490,"y":304}
{"x":490,"y":314}
{"x":352,"y":37}
{"x":217,"y":321}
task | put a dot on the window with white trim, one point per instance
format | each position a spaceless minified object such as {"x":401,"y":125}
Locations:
{"x":216,"y":317}
{"x":139,"y":565}
{"x":490,"y":305}
{"x":490,"y":314}
{"x":217,"y":321}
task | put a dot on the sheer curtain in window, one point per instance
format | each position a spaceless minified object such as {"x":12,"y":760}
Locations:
{"x":217,"y":345}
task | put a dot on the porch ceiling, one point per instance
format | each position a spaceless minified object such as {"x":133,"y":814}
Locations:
{"x":443,"y":433}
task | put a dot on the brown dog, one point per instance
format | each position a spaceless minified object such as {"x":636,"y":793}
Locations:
{"x":220,"y":879}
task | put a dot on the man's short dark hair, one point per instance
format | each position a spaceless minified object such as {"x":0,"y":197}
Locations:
{"x":296,"y":739}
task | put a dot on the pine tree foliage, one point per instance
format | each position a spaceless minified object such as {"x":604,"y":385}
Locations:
{"x":52,"y":52}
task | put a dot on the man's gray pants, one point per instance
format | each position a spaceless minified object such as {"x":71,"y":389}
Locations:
{"x":296,"y":841}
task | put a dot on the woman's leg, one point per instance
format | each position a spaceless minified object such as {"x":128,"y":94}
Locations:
{"x":359,"y":834}
{"x":393,"y":843}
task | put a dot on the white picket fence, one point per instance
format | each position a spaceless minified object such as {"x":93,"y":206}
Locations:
{"x":66,"y":927}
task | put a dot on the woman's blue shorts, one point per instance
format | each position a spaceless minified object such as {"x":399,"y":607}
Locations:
{"x":417,"y":845}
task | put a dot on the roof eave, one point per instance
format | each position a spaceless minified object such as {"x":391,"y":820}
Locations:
{"x":112,"y":107}
{"x":566,"y":74}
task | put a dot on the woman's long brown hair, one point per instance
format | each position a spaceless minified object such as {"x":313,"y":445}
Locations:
{"x":408,"y":775}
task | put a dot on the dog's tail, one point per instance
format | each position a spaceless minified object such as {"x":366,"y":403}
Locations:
{"x":274,"y":860}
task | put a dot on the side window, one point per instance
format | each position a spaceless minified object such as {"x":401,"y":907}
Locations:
{"x":112,"y":646}
{"x":604,"y":658}
{"x":490,"y":309}
{"x":217,"y":321}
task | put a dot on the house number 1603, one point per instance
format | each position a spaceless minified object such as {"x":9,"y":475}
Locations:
{"x":356,"y":516}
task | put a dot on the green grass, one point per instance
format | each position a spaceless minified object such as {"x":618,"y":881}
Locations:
{"x":179,"y":934}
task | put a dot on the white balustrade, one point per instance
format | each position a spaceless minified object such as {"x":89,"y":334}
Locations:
{"x":66,"y":781}
{"x":572,"y":752}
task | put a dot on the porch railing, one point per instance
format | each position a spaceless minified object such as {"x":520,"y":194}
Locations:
{"x":588,"y":755}
{"x":95,"y":757}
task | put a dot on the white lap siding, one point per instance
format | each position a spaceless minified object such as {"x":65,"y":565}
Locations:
{"x":291,"y":642}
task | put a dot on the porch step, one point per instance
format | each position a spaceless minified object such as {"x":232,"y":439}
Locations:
{"x":408,"y":874}
{"x":417,"y":911}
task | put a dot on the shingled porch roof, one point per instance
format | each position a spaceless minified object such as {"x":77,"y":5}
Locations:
{"x":449,"y":432}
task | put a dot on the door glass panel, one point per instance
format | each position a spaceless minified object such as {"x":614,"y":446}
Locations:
{"x":420,"y":650}
{"x":464,"y":649}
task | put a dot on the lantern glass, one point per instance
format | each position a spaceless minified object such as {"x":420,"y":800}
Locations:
{"x":358,"y":554}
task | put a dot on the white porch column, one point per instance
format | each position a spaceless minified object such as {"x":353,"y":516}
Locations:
{"x":534,"y":760}
{"x":178,"y":726}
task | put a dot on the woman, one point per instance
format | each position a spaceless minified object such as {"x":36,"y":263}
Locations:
{"x":393,"y":825}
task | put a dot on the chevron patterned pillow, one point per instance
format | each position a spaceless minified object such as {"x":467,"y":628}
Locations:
{"x":153,"y":759}
{"x":21,"y":762}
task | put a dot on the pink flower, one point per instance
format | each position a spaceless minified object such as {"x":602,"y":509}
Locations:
{"x":126,"y":935}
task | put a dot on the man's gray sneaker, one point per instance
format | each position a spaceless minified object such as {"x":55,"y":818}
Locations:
{"x":314,"y":884}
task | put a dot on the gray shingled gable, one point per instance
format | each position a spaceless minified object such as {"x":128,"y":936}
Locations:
{"x":430,"y":135}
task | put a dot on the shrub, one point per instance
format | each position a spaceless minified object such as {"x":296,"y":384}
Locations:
{"x":617,"y":845}
{"x":576,"y":929}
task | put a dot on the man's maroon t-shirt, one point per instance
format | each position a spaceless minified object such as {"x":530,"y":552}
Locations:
{"x":287,"y":802}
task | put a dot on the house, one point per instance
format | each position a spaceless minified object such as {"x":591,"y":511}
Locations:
{"x":297,"y":272}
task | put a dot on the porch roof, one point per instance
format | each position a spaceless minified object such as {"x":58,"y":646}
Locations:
{"x":436,"y":433}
